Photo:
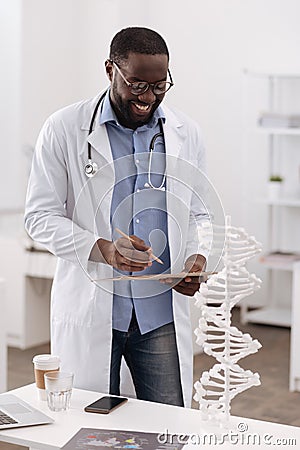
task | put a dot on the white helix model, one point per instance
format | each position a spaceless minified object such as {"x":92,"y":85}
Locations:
{"x":217,"y":387}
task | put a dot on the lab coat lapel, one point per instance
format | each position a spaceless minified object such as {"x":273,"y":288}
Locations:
{"x":100,"y":143}
{"x":174,"y":138}
{"x":178,"y":226}
{"x":98,"y":138}
{"x":101,"y":185}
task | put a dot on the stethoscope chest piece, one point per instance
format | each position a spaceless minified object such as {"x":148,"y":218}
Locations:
{"x":90,"y":168}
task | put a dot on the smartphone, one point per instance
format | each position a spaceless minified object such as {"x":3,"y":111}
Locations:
{"x":105,"y":405}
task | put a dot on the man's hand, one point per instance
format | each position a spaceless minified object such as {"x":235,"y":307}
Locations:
{"x":189,"y":285}
{"x":124,"y":254}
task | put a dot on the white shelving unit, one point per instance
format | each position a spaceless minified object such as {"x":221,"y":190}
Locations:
{"x":279,"y":131}
{"x":273,"y":152}
{"x":270,"y":316}
{"x":25,"y":307}
{"x":295,"y":332}
{"x":281,"y":202}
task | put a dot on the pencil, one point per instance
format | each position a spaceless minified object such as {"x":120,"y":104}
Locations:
{"x":132,"y":240}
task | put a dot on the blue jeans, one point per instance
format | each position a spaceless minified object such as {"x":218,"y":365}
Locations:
{"x":152,"y":359}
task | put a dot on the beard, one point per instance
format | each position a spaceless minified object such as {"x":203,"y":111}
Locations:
{"x":124,"y":112}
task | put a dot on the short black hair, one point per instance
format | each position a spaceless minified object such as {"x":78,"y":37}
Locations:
{"x":136,"y":40}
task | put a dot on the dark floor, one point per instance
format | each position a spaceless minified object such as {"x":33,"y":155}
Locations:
{"x":271,"y":401}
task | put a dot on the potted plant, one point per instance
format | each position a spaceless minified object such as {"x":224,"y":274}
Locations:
{"x":274,"y":186}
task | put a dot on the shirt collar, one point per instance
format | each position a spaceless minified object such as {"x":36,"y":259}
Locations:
{"x":107,"y":114}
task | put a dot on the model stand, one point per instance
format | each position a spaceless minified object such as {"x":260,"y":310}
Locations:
{"x":216,"y":298}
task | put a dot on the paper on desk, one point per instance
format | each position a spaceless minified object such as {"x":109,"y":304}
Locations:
{"x":160,"y":276}
{"x":87,"y":438}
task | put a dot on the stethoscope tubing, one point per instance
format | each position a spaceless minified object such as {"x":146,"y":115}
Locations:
{"x":151,"y":148}
{"x":91,"y":167}
{"x":93,"y":121}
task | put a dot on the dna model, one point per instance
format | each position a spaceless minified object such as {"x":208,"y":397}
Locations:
{"x":223,"y":290}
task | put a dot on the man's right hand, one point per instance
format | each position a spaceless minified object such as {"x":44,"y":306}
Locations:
{"x":124,"y":254}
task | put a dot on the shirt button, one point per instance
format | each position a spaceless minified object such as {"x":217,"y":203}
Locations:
{"x":137,"y":161}
{"x":137,"y":220}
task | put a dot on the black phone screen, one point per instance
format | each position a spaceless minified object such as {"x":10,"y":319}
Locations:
{"x":105,"y":404}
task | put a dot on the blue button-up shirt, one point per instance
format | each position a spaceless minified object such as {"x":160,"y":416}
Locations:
{"x":139,"y":209}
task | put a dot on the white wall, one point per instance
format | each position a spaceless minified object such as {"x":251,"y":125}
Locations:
{"x":211,"y":41}
{"x":52,"y":55}
{"x":63,"y":45}
{"x":63,"y":49}
{"x":10,"y":62}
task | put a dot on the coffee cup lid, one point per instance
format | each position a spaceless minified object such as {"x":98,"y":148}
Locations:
{"x":46,"y":361}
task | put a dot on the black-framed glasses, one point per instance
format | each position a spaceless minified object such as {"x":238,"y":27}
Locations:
{"x":140,"y":87}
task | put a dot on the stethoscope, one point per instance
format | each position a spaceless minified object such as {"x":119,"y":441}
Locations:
{"x":91,"y":167}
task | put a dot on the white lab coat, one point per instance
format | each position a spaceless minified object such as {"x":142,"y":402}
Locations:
{"x":67,"y":212}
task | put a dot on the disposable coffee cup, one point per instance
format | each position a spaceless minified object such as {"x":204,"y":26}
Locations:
{"x":44,"y":364}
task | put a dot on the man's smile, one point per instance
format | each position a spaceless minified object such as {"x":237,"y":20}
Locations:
{"x":142,"y":107}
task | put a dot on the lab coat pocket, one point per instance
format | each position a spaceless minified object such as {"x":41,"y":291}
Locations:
{"x":73,"y":295}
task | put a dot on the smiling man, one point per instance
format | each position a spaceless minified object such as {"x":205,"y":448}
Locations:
{"x":135,"y":107}
{"x":123,"y":162}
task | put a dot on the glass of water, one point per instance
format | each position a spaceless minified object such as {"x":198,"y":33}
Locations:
{"x":59,"y":389}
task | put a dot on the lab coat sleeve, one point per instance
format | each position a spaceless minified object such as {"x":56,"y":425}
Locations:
{"x":46,"y":219}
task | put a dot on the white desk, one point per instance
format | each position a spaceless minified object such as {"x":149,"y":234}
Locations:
{"x":140,"y":416}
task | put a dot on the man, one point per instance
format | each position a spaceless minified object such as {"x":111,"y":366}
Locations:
{"x":143,"y":161}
